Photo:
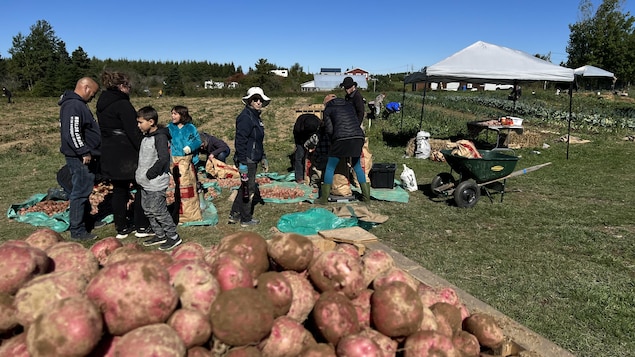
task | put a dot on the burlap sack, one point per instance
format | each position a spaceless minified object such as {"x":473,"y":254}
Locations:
{"x":190,"y":209}
{"x":218,"y":169}
{"x":464,"y":148}
{"x":341,"y":185}
{"x":366,"y":161}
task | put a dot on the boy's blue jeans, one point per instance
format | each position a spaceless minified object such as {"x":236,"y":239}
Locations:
{"x":83,"y":182}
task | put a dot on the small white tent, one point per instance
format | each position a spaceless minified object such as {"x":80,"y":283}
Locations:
{"x":483,"y":62}
{"x":591,"y":71}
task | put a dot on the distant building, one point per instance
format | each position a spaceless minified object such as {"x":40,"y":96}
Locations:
{"x":280,"y":72}
{"x":330,"y":81}
{"x":214,"y":85}
{"x":358,"y":71}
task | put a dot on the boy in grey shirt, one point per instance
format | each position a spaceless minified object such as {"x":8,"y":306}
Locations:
{"x":153,"y":176}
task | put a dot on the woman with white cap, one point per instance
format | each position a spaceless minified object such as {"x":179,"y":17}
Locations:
{"x":249,"y":152}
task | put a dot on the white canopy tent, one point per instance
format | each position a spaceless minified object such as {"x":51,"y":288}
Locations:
{"x":483,"y":62}
{"x":591,"y":71}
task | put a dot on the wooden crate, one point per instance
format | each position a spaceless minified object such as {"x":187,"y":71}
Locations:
{"x":316,"y":109}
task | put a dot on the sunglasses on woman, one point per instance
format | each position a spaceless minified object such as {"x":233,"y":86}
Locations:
{"x":257,"y":99}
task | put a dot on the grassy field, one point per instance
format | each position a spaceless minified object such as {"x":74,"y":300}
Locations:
{"x":557,"y":255}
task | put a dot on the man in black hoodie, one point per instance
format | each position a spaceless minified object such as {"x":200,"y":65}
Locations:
{"x":80,"y":145}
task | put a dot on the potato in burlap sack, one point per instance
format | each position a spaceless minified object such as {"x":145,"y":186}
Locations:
{"x":220,"y":170}
{"x":190,"y":209}
{"x":341,"y":185}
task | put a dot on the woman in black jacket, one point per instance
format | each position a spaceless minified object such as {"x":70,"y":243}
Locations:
{"x":347,"y":139}
{"x":120,"y":142}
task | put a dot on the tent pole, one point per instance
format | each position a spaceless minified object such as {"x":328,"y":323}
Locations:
{"x":570,"y":114}
{"x":403,"y":100}
{"x":423,"y":102}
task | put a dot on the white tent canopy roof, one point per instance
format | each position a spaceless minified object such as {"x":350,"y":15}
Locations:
{"x":483,"y":62}
{"x":591,"y":71}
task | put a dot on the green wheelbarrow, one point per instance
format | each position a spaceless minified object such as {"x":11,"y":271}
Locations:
{"x":488,"y":174}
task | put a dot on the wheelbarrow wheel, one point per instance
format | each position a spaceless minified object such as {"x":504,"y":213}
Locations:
{"x":467,"y":194}
{"x":439,"y":181}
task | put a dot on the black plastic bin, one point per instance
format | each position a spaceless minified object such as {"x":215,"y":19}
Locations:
{"x":382,"y":175}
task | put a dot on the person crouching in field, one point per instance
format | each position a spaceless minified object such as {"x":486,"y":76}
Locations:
{"x":214,"y":147}
{"x":154,"y":178}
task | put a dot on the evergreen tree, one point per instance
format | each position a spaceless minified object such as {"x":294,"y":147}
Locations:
{"x":174,"y":83}
{"x":605,"y":39}
{"x":35,"y":56}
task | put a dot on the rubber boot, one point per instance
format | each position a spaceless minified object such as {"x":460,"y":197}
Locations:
{"x":365,"y":187}
{"x":325,"y":192}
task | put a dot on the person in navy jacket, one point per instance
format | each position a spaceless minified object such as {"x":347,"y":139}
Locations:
{"x":80,"y":145}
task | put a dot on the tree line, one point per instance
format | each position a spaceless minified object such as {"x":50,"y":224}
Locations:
{"x":40,"y":64}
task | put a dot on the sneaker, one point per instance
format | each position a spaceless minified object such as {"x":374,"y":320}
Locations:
{"x":154,"y":241}
{"x":169,"y":244}
{"x":253,"y":222}
{"x":124,"y":232}
{"x":233,"y":218}
{"x":144,"y":232}
{"x":84,"y":237}
{"x":99,"y":224}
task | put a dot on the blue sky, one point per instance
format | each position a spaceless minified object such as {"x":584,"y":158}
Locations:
{"x":379,"y":36}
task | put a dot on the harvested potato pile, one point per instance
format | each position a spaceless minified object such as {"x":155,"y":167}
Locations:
{"x":246,"y":296}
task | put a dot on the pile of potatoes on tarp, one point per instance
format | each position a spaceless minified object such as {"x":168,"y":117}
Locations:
{"x":246,"y":296}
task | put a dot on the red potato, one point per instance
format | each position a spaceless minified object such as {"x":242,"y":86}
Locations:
{"x":104,"y":247}
{"x":395,"y":274}
{"x":39,"y":294}
{"x":72,"y":256}
{"x":448,"y":318}
{"x":467,"y":344}
{"x":19,"y":264}
{"x":358,"y":345}
{"x":287,"y":338}
{"x":318,"y":350}
{"x":123,"y":253}
{"x":374,"y":263}
{"x":241,"y":316}
{"x":304,"y":295}
{"x":245,"y":351}
{"x":387,"y":345}
{"x":290,"y":251}
{"x":251,"y":247}
{"x":71,"y":327}
{"x":430,"y":296}
{"x":199,"y":351}
{"x":277,"y":288}
{"x":43,"y":238}
{"x":349,"y":249}
{"x":485,"y":328}
{"x":335,"y":316}
{"x":8,"y":312}
{"x":192,"y":326}
{"x":188,"y":251}
{"x":196,"y":286}
{"x":429,"y":344}
{"x":210,"y":254}
{"x":362,"y":307}
{"x":429,"y":321}
{"x":132,"y":294}
{"x":337,"y":271}
{"x":396,"y":309}
{"x":15,"y":347}
{"x":156,"y":340}
{"x":231,"y":271}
